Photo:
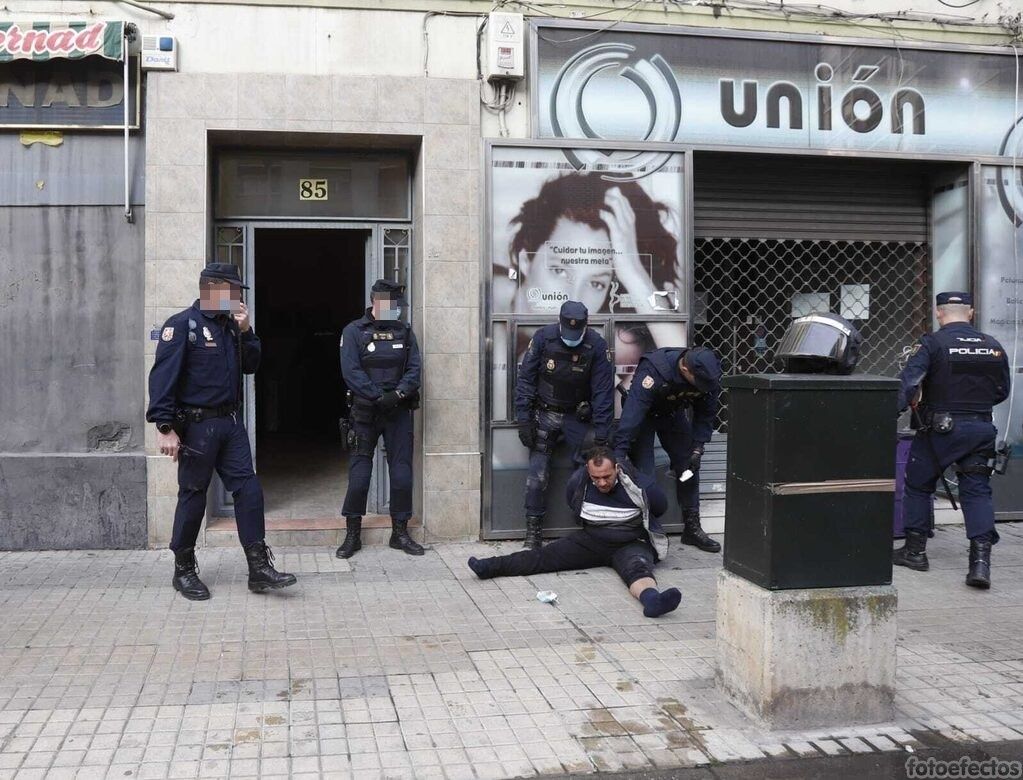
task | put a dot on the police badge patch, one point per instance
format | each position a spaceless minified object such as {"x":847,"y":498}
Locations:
{"x":168,"y":334}
{"x":648,"y":382}
{"x":550,"y":365}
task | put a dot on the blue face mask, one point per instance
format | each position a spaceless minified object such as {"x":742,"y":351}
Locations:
{"x":573,"y":342}
{"x":390,"y":314}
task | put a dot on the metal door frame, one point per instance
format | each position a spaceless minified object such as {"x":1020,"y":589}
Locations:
{"x":220,"y":502}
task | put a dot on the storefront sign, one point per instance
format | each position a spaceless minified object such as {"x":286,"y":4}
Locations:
{"x":66,"y":94}
{"x":701,"y":89}
{"x":40,"y":41}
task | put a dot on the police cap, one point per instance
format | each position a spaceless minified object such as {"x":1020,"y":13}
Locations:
{"x":705,"y":366}
{"x":385,"y":288}
{"x":222,"y":272}
{"x":962,"y":298}
{"x":573,"y":319}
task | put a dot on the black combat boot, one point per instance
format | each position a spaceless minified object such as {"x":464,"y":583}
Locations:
{"x":534,"y":532}
{"x":400,"y":540}
{"x":186,"y":576}
{"x":979,"y":575}
{"x":353,"y":539}
{"x":693,"y":533}
{"x":913,"y":553}
{"x":262,"y":574}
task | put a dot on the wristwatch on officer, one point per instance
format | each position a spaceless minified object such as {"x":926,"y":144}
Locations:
{"x":401,"y":395}
{"x":164,"y":427}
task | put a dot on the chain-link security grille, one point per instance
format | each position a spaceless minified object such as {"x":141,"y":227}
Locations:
{"x":748,"y":290}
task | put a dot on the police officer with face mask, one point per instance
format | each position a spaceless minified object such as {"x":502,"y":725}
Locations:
{"x":953,"y":378}
{"x":565,"y":385}
{"x":381,"y":366}
{"x":667,"y":382}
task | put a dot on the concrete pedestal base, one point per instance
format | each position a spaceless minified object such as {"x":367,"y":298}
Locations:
{"x":807,"y":658}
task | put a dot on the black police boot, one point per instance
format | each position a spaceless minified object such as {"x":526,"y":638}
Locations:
{"x":693,"y":533}
{"x":979,"y":575}
{"x":353,"y":539}
{"x":400,"y":540}
{"x":186,"y":576}
{"x":534,"y":532}
{"x":913,"y":553}
{"x":262,"y":574}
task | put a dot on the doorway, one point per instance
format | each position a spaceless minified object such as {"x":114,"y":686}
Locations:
{"x":309,"y":284}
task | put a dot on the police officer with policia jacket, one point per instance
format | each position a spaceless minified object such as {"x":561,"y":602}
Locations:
{"x":380,"y":364}
{"x":617,"y":507}
{"x":565,"y":384}
{"x":953,"y":378}
{"x":667,"y":382}
{"x":194,"y":393}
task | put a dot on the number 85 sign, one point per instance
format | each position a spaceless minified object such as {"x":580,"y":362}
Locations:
{"x":312,"y":189}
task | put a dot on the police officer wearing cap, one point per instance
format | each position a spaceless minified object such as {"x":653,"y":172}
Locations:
{"x":953,"y":378}
{"x":667,"y":382}
{"x":565,"y":386}
{"x":381,"y":366}
{"x":194,"y":394}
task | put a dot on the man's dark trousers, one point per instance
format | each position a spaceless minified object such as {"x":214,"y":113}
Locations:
{"x":217,"y":443}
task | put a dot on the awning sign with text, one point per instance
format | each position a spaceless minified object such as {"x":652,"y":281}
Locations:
{"x":41,"y":41}
{"x":757,"y":92}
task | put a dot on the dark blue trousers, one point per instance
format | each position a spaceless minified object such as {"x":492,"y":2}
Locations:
{"x":675,"y":434}
{"x":218,"y":443}
{"x":396,"y":428}
{"x":551,"y":428}
{"x":926,"y":465}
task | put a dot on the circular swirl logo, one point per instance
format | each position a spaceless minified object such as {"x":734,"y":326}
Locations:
{"x":657,"y":85}
{"x":1010,"y":190}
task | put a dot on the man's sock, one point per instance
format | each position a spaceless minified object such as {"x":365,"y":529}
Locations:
{"x":481,"y":568}
{"x":656,"y":604}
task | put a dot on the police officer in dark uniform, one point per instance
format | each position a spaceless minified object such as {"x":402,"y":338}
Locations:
{"x":194,"y":393}
{"x":565,"y":384}
{"x":952,"y":379}
{"x":667,"y":382}
{"x":381,"y":366}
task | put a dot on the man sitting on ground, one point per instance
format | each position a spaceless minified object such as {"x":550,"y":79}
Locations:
{"x":616,"y":507}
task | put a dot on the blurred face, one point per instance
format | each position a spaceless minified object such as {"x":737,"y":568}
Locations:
{"x":386,"y":307}
{"x":219,"y":297}
{"x":554,"y":268}
{"x":603,"y":476}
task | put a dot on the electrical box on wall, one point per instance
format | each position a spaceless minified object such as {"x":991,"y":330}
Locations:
{"x":159,"y":52}
{"x":504,"y":52}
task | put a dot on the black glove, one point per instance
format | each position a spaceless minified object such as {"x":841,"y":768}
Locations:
{"x":694,"y":459}
{"x":389,"y":401}
{"x":527,"y":435}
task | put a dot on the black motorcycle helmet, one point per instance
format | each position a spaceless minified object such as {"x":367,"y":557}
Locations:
{"x":820,"y":343}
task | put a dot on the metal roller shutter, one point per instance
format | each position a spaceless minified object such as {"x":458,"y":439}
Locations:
{"x":775,"y":233}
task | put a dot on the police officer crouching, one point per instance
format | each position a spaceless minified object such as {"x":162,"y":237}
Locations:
{"x":667,"y":382}
{"x":952,"y":380}
{"x":564,"y":384}
{"x":194,"y":393}
{"x":381,"y":366}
